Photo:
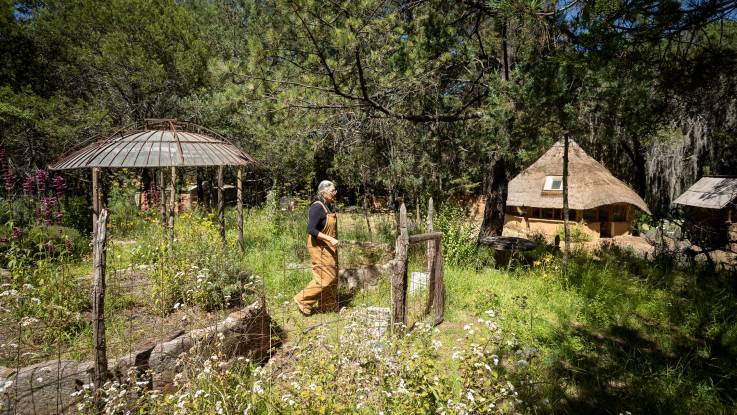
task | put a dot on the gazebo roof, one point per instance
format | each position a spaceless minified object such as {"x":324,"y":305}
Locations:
{"x":590,"y":184}
{"x":157,"y":143}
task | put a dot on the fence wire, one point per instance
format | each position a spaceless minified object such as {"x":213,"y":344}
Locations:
{"x":46,"y":351}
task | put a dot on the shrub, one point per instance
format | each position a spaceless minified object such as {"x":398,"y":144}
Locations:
{"x":459,"y":239}
{"x":576,"y":231}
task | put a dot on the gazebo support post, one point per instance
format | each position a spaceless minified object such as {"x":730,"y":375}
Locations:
{"x":221,"y":204}
{"x":172,"y":204}
{"x":95,"y":198}
{"x":162,"y":197}
{"x":241,"y":243}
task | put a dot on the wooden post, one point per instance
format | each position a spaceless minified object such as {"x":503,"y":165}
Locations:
{"x":438,"y":284}
{"x":95,"y":198}
{"x":399,"y":277}
{"x":241,"y":242}
{"x":566,"y":231}
{"x":98,"y":306}
{"x":430,"y":244}
{"x":221,"y":204}
{"x":162,"y":198}
{"x":417,"y":212}
{"x":172,"y":204}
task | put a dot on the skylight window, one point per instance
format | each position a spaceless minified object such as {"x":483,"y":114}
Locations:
{"x":553,"y":184}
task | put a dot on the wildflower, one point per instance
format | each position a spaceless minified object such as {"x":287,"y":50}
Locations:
{"x":41,"y":176}
{"x":58,"y":183}
{"x":27,"y":321}
{"x":29,"y":184}
{"x":9,"y":179}
{"x":495,"y":359}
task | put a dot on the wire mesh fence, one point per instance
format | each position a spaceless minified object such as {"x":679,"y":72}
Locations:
{"x":161,"y":306}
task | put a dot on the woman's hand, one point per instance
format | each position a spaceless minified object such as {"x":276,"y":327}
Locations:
{"x":334,"y":242}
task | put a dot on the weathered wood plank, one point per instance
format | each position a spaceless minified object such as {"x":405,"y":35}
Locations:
{"x":422,"y":237}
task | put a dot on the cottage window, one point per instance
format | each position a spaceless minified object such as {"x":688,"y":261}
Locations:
{"x":553,"y":184}
{"x":619,"y":213}
{"x":589,"y":215}
{"x":548,"y":214}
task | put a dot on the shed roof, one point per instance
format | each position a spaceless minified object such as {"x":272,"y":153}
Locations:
{"x":590,"y":184}
{"x":710,"y":192}
{"x":157,"y":143}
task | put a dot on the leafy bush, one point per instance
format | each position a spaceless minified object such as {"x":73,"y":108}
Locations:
{"x":459,"y":239}
{"x":576,"y":231}
{"x":78,"y":214}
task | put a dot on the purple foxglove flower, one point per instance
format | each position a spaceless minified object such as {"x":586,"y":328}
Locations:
{"x":58,"y":183}
{"x":29,"y":183}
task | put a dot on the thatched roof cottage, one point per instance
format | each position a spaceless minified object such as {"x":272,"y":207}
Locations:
{"x":711,"y":211}
{"x":597,"y":199}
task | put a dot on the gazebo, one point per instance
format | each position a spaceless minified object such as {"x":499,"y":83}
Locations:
{"x":162,"y":144}
{"x":159,"y":144}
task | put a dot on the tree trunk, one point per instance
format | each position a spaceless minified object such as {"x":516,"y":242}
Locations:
{"x":496,"y":197}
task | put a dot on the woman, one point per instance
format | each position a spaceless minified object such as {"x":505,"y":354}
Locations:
{"x":322,"y":243}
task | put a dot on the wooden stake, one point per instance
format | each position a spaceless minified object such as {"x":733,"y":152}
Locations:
{"x":98,"y":306}
{"x":399,"y":277}
{"x":221,"y":204}
{"x":241,"y":242}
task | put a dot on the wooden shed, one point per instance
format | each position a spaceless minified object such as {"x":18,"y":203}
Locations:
{"x":711,"y":211}
{"x":596,"y":199}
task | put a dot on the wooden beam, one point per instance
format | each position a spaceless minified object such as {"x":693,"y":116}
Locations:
{"x":422,"y":237}
{"x":98,"y":307}
{"x":241,"y":242}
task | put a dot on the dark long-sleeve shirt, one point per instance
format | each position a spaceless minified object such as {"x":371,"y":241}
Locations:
{"x":317,"y":219}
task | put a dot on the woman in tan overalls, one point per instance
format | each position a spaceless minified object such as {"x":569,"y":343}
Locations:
{"x":322,"y":243}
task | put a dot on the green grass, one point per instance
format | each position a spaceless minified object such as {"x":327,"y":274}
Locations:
{"x":615,"y":334}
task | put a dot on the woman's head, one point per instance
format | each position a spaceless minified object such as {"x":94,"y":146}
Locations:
{"x":327,"y":190}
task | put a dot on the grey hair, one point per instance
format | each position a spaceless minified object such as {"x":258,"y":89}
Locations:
{"x":324,"y":185}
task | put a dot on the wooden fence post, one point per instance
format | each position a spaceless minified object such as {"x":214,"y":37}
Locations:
{"x":241,"y":242}
{"x":98,"y":307}
{"x":438,"y":284}
{"x":221,"y":204}
{"x":399,"y":277}
{"x":430,"y":244}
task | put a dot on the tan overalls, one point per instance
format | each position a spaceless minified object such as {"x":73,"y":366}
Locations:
{"x":324,"y":259}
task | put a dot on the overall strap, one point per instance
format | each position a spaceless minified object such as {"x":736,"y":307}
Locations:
{"x":323,"y":206}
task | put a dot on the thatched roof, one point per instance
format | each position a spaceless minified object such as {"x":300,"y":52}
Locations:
{"x":590,"y":184}
{"x":710,"y":193}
